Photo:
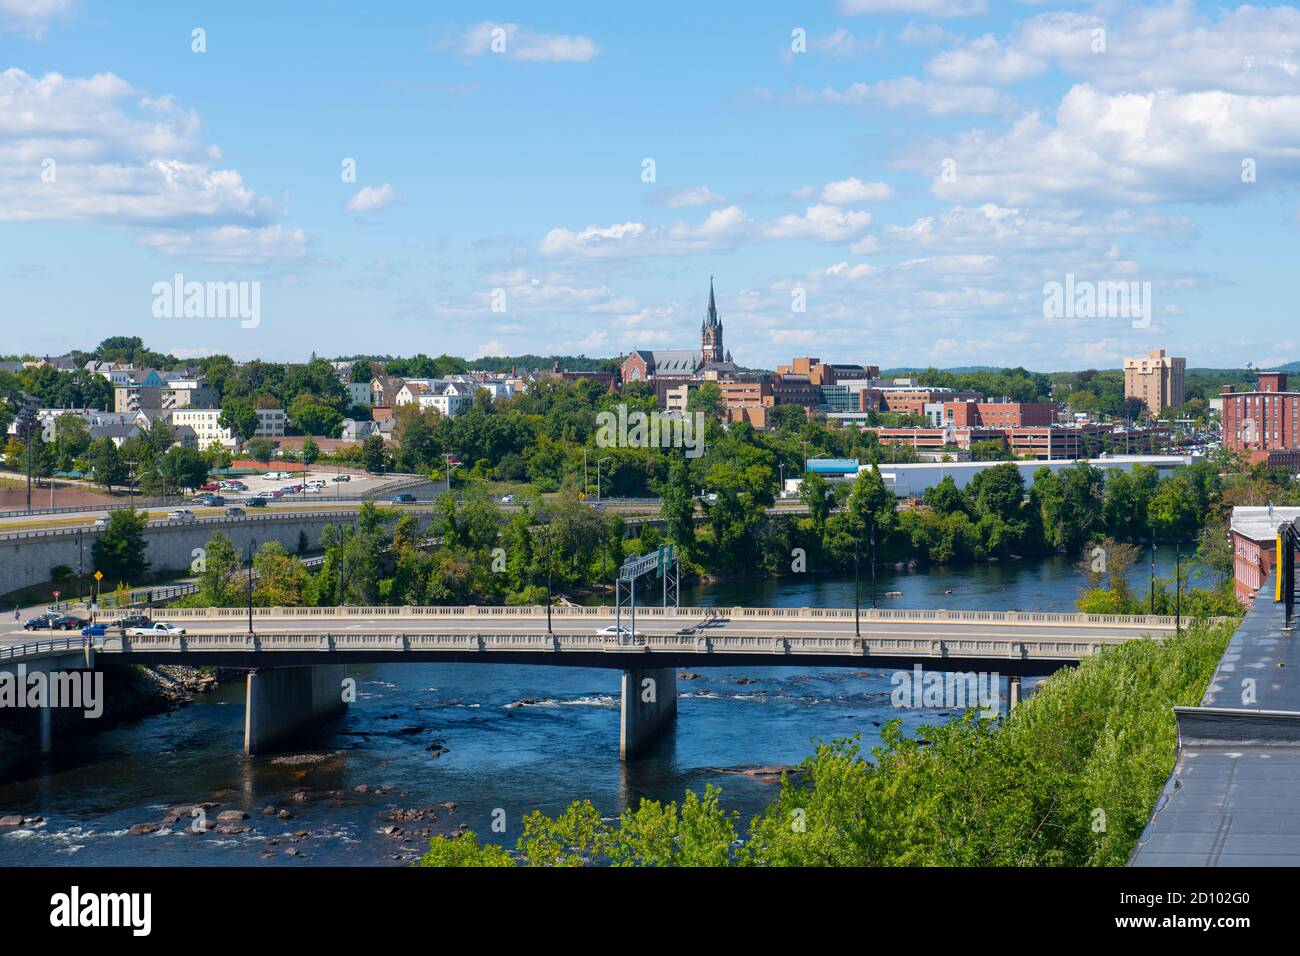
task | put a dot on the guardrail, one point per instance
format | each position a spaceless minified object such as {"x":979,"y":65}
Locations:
{"x":48,"y":646}
{"x":402,"y":644}
{"x":1158,"y":621}
{"x":271,"y":515}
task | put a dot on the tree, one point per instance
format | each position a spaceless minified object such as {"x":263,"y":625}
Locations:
{"x":310,"y":451}
{"x":677,"y":507}
{"x":311,"y":416}
{"x":219,"y":581}
{"x":261,"y":449}
{"x":815,"y":492}
{"x":707,"y":399}
{"x":182,"y":468}
{"x":238,"y":415}
{"x":373,"y":454}
{"x":119,"y":551}
{"x":71,"y":440}
{"x":106,"y":464}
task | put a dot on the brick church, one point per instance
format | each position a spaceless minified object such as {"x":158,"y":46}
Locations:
{"x":674,"y":366}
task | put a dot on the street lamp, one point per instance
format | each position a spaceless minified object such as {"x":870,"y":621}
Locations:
{"x":873,"y":562}
{"x":251,"y":542}
{"x":1178,"y":587}
{"x":1153,"y":570}
{"x":548,"y":580}
{"x":857,"y":627}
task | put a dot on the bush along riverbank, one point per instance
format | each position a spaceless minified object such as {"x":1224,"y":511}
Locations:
{"x":130,"y":692}
{"x":1069,"y":779}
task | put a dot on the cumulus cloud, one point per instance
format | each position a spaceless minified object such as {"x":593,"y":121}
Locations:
{"x":514,"y":43}
{"x":233,"y":245}
{"x":90,"y":149}
{"x":853,"y":190}
{"x":32,"y":17}
{"x":1129,"y":148}
{"x":370,"y":198}
{"x":690,"y":196}
{"x":933,"y":8}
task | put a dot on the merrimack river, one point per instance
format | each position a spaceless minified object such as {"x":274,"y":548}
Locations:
{"x":430,"y":748}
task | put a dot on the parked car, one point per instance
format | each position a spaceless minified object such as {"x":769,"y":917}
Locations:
{"x":210,"y":486}
{"x":256,"y":502}
{"x":342,"y":477}
{"x":133,"y":620}
{"x":156,"y":629}
{"x":68,"y":622}
{"x":41,"y":623}
{"x":314,"y":489}
{"x":234,"y":512}
{"x":180,"y":514}
{"x":94,"y":630}
{"x":403,"y":499}
{"x":507,"y":499}
{"x":210,"y":501}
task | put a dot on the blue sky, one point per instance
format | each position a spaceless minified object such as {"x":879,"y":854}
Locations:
{"x":500,"y":203}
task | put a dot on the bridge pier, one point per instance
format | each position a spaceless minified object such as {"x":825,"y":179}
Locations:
{"x":285,"y":702}
{"x":1013,"y":692}
{"x":648,"y":707}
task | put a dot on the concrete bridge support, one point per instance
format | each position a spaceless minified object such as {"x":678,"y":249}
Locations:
{"x":285,"y":702}
{"x":1013,"y":692}
{"x":648,"y":707}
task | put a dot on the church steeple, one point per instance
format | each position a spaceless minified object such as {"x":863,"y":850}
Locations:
{"x":711,"y":330}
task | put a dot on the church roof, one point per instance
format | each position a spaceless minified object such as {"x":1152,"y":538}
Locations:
{"x":672,"y":361}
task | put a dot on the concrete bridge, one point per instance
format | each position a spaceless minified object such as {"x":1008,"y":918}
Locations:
{"x":297,"y":657}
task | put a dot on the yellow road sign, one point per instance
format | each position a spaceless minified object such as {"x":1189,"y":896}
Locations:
{"x":99,"y":575}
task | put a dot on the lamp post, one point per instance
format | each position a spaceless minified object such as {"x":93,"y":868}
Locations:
{"x":857,"y":626}
{"x":873,"y":562}
{"x":1178,"y":587}
{"x":548,"y":580}
{"x":1153,"y":570}
{"x":251,"y":542}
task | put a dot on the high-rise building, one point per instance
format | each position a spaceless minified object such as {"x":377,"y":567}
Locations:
{"x":1157,"y":379}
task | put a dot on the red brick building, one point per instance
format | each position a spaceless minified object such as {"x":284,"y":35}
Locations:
{"x":999,"y":414}
{"x":1264,"y":425}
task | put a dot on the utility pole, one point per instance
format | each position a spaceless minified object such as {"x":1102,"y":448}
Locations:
{"x":1178,"y":587}
{"x":548,"y":581}
{"x":598,"y":464}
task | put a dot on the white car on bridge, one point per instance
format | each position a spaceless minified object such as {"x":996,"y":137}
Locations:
{"x":615,"y":630}
{"x":156,"y":629}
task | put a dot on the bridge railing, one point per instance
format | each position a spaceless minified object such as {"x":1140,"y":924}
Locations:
{"x":47,"y":646}
{"x":400,"y":644}
{"x":803,"y":614}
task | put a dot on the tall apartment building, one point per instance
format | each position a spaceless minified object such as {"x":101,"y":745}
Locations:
{"x":1157,"y":379}
{"x":1264,"y":424}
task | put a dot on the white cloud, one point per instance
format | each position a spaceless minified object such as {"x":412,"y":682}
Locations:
{"x":844,"y":192}
{"x":90,"y":150}
{"x":691,"y":196}
{"x":513,"y":43}
{"x":933,"y":8}
{"x":821,"y":222}
{"x":32,"y":17}
{"x":370,"y":198}
{"x":723,"y":228}
{"x":985,"y":60}
{"x":1128,"y":148}
{"x":233,"y":245}
{"x":908,"y":92}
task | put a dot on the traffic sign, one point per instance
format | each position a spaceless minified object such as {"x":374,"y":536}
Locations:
{"x":99,"y":575}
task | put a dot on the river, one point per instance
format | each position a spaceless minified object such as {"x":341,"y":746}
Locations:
{"x":517,"y":738}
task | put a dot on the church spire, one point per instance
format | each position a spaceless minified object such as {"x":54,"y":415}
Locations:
{"x":711,"y":331}
{"x":711,"y":316}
